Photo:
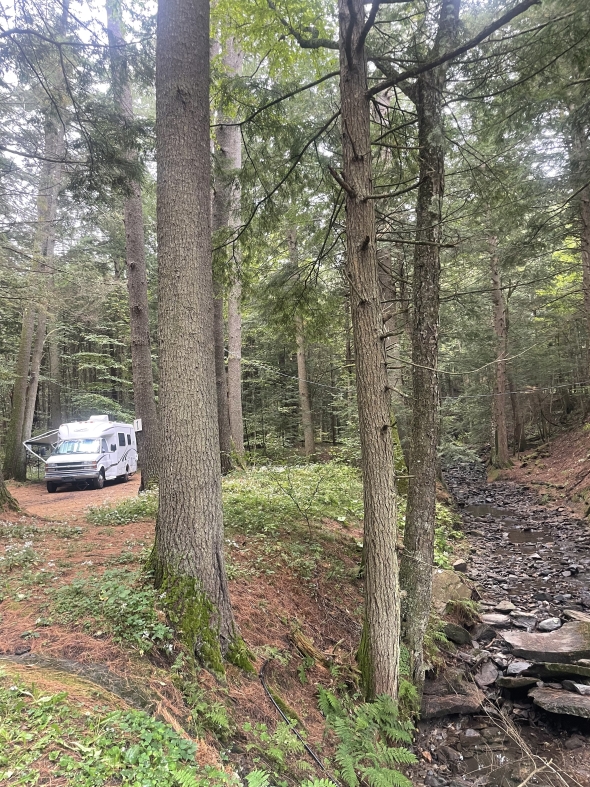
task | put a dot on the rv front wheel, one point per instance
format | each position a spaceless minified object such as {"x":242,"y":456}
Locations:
{"x":51,"y":487}
{"x":99,"y":482}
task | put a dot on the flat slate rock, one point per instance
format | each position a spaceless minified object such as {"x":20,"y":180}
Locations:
{"x":516,"y":682}
{"x":447,"y":586}
{"x":570,"y":643}
{"x":435,"y":707}
{"x":496,"y":619}
{"x":557,"y":671}
{"x":564,"y":702}
{"x":456,"y":634}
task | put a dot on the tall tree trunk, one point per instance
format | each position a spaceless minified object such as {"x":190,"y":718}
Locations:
{"x":148,"y":439}
{"x":418,"y":555}
{"x":229,"y":137}
{"x":50,"y":184}
{"x":580,"y":165}
{"x":392,"y":351}
{"x":188,"y":560}
{"x":6,"y":499}
{"x":379,"y":648}
{"x":14,"y":455}
{"x":500,"y":456}
{"x":55,"y":404}
{"x":221,"y":385}
{"x":234,"y":364}
{"x":520,"y":443}
{"x":304,"y":397}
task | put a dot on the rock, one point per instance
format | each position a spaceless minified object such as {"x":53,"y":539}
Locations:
{"x":456,"y":634}
{"x":515,"y":683}
{"x":435,"y":707}
{"x":578,"y":688}
{"x":570,"y":643}
{"x":20,"y":650}
{"x":524,"y":620}
{"x":516,"y":667}
{"x":575,"y":742}
{"x":460,"y":565}
{"x":563,"y":702}
{"x":434,"y":781}
{"x":549,"y":624}
{"x":483,"y":633}
{"x":448,"y":586}
{"x":496,"y":620}
{"x":575,"y":614}
{"x":486,"y":675}
{"x":505,"y":606}
{"x":449,"y":754}
{"x":548,"y":671}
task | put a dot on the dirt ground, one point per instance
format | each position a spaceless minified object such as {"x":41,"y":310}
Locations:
{"x":68,"y":504}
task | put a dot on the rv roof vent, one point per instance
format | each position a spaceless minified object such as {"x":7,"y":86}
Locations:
{"x":99,"y":419}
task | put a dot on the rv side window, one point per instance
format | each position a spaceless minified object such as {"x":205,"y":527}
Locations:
{"x":121,"y":438}
{"x":128,"y":439}
{"x":105,"y":448}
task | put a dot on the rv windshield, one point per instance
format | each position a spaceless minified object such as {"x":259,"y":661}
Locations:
{"x":78,"y":447}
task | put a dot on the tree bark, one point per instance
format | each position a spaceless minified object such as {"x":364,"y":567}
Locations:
{"x":379,"y":648}
{"x":55,"y":415}
{"x":14,"y":455}
{"x":188,"y":560}
{"x":221,"y":385}
{"x":148,"y":439}
{"x":6,"y":499}
{"x":580,"y":166}
{"x":304,"y":397}
{"x":499,"y":456}
{"x":229,"y":138}
{"x":519,"y":436}
{"x":418,"y":555}
{"x":234,"y":365}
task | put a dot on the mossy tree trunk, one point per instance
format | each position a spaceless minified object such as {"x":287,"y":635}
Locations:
{"x":148,"y":439}
{"x":187,"y":559}
{"x":418,"y":555}
{"x":379,"y":649}
{"x":6,"y":499}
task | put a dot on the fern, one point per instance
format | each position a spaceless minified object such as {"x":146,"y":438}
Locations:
{"x":257,"y":779}
{"x":186,"y":778}
{"x":365,"y":734}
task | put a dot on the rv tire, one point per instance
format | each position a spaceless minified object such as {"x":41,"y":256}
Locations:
{"x":99,"y":482}
{"x":51,"y":487}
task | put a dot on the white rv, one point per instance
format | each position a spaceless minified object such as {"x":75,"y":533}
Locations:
{"x":86,"y":453}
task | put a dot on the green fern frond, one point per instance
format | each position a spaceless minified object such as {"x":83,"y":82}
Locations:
{"x":385,"y":777}
{"x":257,"y":779}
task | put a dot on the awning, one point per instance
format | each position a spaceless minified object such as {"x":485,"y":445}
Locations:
{"x":46,"y":440}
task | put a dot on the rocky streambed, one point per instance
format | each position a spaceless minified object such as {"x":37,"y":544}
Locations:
{"x":514,"y":701}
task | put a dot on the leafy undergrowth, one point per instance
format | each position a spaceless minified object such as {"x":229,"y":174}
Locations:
{"x":294,"y":548}
{"x":48,"y":736}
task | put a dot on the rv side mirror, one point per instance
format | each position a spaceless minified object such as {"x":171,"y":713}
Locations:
{"x":113,"y":447}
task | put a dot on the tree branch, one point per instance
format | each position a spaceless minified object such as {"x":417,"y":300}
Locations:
{"x":444,"y":58}
{"x":304,"y":43}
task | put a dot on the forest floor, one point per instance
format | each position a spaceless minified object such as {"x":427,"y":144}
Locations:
{"x":80,"y":632}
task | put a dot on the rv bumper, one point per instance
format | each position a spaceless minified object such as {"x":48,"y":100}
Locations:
{"x":66,"y":476}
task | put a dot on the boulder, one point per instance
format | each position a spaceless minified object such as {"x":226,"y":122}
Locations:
{"x":460,"y":565}
{"x":578,"y":688}
{"x":548,"y":671}
{"x":570,"y":643}
{"x":576,"y":614}
{"x":483,"y":633}
{"x":549,"y":624}
{"x":435,"y":707}
{"x":565,"y":702}
{"x":524,"y":620}
{"x":456,"y":634}
{"x":486,"y":674}
{"x":448,"y":586}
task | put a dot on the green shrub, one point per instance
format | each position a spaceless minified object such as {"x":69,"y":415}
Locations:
{"x":119,"y":603}
{"x":135,"y":509}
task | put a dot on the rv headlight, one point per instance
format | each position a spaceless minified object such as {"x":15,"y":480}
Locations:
{"x":90,"y":465}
